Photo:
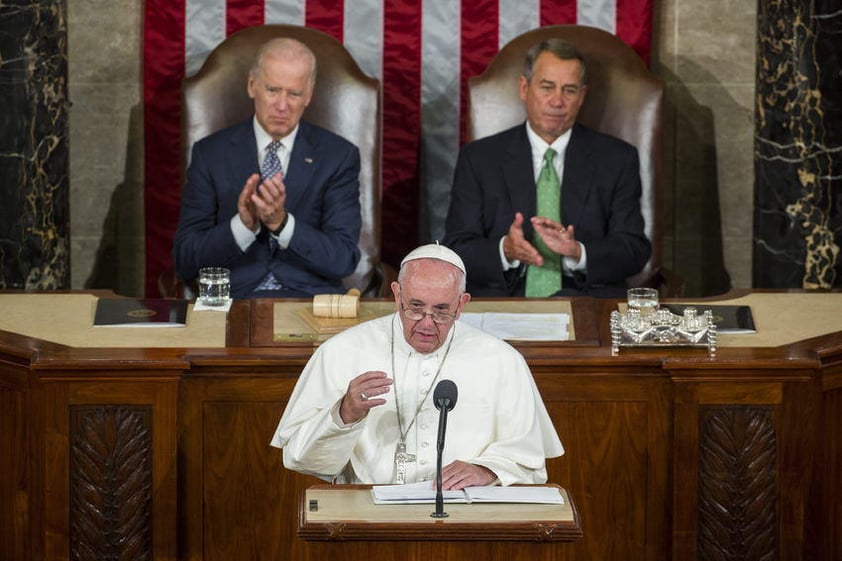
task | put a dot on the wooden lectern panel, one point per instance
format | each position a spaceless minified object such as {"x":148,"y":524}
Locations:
{"x":347,"y":512}
{"x":348,"y":526}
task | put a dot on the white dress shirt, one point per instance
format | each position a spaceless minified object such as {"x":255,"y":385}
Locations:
{"x":242,"y":235}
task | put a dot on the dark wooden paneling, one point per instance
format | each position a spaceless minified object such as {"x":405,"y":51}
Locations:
{"x":243,"y":519}
{"x":232,"y":475}
{"x":99,"y":418}
{"x":643,"y":460}
{"x":15,"y":484}
{"x":824,"y":509}
{"x":111,"y":482}
{"x":612,"y":429}
{"x":737,"y":491}
{"x":742,"y":466}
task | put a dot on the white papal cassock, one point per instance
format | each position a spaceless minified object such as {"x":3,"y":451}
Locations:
{"x":499,"y":420}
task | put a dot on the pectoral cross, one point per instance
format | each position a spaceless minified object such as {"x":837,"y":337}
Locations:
{"x":401,"y":457}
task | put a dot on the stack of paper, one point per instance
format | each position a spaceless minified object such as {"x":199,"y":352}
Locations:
{"x":425,"y":492}
{"x":521,"y":327}
{"x":535,"y":494}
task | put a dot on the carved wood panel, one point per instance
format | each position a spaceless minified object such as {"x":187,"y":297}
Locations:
{"x":111,"y":483}
{"x":737,"y":494}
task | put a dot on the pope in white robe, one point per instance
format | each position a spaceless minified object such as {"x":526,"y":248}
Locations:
{"x":367,"y":393}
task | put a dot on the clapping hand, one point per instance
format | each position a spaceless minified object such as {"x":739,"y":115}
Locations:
{"x":262,"y":202}
{"x":517,"y":248}
{"x":559,"y":239}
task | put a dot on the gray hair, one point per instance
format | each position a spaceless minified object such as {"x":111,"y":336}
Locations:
{"x":558,"y":47}
{"x":284,"y":47}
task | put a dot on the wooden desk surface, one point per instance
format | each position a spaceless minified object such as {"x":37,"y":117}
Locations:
{"x":782,"y":318}
{"x":67,"y":319}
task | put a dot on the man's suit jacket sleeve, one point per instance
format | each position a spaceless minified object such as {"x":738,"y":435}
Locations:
{"x":468,"y":231}
{"x":481,"y":212}
{"x":327,"y":232}
{"x":204,"y":234}
{"x":601,"y":194}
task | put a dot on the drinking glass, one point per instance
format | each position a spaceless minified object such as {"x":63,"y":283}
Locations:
{"x":644,"y":300}
{"x":214,"y":286}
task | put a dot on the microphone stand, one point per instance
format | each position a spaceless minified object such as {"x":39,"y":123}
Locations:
{"x":440,"y":513}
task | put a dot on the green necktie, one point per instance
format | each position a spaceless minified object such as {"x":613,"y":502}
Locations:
{"x":546,"y":280}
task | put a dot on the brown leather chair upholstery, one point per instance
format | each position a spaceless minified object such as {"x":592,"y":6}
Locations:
{"x":345,"y":101}
{"x":624,"y":100}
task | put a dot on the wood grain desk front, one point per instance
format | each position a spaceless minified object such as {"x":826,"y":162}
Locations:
{"x":670,"y":453}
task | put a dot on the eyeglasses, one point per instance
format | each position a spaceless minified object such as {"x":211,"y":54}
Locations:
{"x":415,"y":314}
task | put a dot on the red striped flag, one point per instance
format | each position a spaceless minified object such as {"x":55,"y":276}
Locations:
{"x":422,"y":52}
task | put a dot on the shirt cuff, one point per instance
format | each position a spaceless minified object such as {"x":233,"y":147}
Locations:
{"x":337,"y":418}
{"x":242,"y":235}
{"x":507,"y":265}
{"x":285,"y":236}
{"x":569,"y":264}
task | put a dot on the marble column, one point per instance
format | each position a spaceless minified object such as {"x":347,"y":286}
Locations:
{"x":798,"y":145}
{"x":34,"y":164}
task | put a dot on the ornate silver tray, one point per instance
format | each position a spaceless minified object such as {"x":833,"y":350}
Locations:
{"x":662,"y":328}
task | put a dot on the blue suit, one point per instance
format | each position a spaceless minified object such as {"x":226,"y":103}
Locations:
{"x":322,"y":193}
{"x":600,"y":197}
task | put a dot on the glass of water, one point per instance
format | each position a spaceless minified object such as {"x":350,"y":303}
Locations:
{"x":644,"y":300}
{"x":214,"y":286}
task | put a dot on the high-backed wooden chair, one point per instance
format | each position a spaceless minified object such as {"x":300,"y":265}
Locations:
{"x":345,"y":101}
{"x":624,"y":100}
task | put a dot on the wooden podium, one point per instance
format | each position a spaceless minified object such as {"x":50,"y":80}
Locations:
{"x":342,"y":522}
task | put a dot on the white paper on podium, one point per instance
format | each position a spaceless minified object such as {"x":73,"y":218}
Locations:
{"x":413,"y":493}
{"x":521,"y":327}
{"x":425,"y":492}
{"x":533,"y":494}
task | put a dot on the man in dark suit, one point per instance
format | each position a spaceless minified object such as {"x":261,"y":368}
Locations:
{"x":501,"y":219}
{"x":274,"y":199}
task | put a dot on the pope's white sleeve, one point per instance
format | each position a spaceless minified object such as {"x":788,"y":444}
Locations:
{"x":312,"y":441}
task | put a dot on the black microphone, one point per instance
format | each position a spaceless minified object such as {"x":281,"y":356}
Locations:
{"x":444,"y":398}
